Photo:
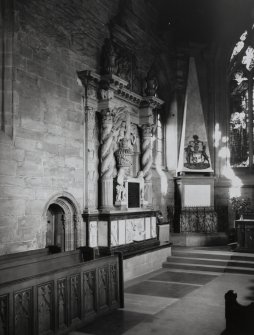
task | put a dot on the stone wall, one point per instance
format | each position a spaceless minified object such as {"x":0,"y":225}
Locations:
{"x":44,"y":154}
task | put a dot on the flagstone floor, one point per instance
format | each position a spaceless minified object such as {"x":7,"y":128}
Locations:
{"x":174,"y":303}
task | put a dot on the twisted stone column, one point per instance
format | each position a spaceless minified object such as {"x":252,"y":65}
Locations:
{"x":107,"y":159}
{"x":146,"y":161}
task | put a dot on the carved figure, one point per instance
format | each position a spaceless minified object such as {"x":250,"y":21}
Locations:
{"x":120,"y":193}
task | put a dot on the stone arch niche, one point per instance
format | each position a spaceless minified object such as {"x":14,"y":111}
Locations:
{"x":62,"y":217}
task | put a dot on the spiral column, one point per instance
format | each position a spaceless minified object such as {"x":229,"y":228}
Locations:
{"x":146,"y":161}
{"x":107,"y":159}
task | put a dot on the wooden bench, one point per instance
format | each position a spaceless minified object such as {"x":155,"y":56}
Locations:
{"x":239,"y":318}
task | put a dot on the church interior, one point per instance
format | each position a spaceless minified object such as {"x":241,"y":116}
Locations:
{"x":126,"y":167}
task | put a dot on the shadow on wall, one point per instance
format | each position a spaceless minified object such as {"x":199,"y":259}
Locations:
{"x":162,"y":189}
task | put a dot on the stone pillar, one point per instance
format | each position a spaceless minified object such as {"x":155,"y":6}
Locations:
{"x":91,"y":161}
{"x":90,"y":147}
{"x":147,"y":162}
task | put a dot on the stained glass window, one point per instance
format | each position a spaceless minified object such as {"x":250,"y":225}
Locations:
{"x":239,"y":45}
{"x":241,"y":74}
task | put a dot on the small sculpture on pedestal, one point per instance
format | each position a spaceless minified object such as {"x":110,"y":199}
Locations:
{"x":108,"y":57}
{"x":124,"y":161}
{"x":151,"y":84}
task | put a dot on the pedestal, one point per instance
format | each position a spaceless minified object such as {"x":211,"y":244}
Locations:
{"x":195,"y":204}
{"x":107,"y":194}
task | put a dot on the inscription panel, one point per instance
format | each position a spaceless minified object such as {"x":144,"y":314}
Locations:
{"x":133,"y":195}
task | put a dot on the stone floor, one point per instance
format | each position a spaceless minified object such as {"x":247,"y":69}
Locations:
{"x":174,"y":303}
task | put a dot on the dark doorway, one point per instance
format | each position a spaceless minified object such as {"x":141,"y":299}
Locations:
{"x":55,"y":227}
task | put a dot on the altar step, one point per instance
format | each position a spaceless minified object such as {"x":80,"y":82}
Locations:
{"x":208,"y":260}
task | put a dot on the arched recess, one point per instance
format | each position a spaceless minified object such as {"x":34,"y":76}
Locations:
{"x":63,"y":210}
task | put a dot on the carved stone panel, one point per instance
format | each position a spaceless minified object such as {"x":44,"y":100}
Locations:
{"x":4,"y":308}
{"x":93,"y":234}
{"x":129,"y":231}
{"x":62,"y":302}
{"x":23,"y":308}
{"x":75,"y":301}
{"x":153,"y":230}
{"x":45,"y":308}
{"x":103,"y":233}
{"x":114,"y":233}
{"x":148,"y":227}
{"x":103,"y":288}
{"x":121,"y":229}
{"x":89,"y":293}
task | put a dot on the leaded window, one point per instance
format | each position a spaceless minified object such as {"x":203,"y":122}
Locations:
{"x":241,"y":74}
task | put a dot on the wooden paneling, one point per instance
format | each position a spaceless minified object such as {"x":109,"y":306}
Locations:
{"x":57,"y":301}
{"x":4,"y":310}
{"x":23,"y":312}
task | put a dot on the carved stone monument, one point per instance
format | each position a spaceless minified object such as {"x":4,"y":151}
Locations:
{"x":125,"y":213}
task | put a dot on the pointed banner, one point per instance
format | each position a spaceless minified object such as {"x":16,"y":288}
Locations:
{"x":194,"y":153}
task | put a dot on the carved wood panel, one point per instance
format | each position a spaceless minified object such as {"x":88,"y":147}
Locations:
{"x":89,"y":292}
{"x":103,"y":291}
{"x":113,"y":282}
{"x":45,"y":307}
{"x":62,"y":302}
{"x":75,"y":294}
{"x":23,"y":324}
{"x":55,"y":302}
{"x":4,"y":309}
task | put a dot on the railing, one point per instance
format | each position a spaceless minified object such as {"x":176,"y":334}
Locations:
{"x":58,"y":301}
{"x":198,"y":219}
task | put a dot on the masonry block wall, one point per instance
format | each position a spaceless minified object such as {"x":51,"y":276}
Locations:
{"x":44,"y":153}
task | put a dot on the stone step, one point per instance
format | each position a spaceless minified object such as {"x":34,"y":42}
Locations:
{"x":233,"y":256}
{"x":209,"y":261}
{"x":211,"y":268}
